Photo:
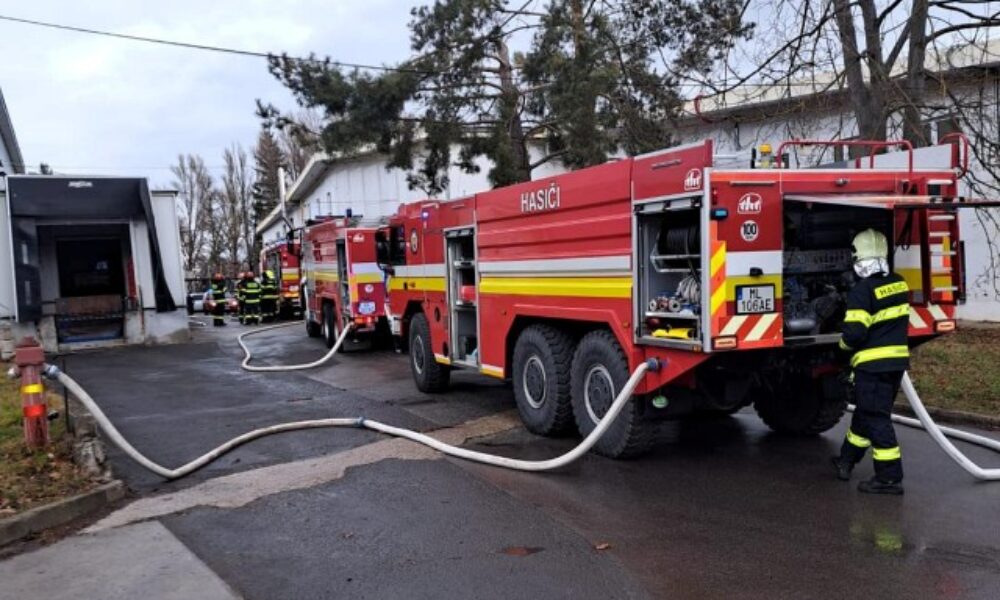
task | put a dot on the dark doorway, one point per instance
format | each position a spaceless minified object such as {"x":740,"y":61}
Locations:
{"x":90,"y":268}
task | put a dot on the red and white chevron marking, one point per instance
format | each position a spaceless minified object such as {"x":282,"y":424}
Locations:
{"x":755,"y":330}
{"x":922,"y":318}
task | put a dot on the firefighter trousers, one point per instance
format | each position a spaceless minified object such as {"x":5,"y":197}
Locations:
{"x":251,"y":312}
{"x":219,"y":314}
{"x":874,"y":394}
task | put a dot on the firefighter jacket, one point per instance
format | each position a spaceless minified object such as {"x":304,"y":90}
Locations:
{"x":269,"y":288}
{"x":218,"y":290}
{"x":239,"y":289}
{"x":251,"y":291}
{"x":876,"y":324}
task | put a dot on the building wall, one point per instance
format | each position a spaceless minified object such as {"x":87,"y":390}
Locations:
{"x":7,"y":300}
{"x":733,"y":138}
{"x":169,"y":239}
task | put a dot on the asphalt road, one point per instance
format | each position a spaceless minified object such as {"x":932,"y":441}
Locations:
{"x":721,"y":509}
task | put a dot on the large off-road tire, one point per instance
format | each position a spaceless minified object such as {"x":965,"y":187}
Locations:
{"x":543,"y":358}
{"x":600,"y":370}
{"x":798,"y":404}
{"x":429,"y":375}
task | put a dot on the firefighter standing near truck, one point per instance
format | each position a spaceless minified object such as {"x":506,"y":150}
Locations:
{"x":875,"y":333}
{"x":240,"y":300}
{"x":268,"y":295}
{"x":251,"y":299}
{"x":218,"y":290}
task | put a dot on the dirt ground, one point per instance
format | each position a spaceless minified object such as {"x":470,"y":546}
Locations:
{"x":29,"y":478}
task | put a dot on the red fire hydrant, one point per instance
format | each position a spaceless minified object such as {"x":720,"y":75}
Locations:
{"x":30,"y":359}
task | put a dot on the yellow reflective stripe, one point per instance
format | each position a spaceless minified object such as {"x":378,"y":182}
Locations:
{"x":584,"y":287}
{"x":891,"y":288}
{"x":857,"y":440}
{"x":886,"y":453}
{"x":879,"y":353}
{"x":843,"y":345}
{"x":32,"y":388}
{"x":857,"y":315}
{"x":417,"y":284}
{"x":893,"y":312}
{"x":366,"y":278}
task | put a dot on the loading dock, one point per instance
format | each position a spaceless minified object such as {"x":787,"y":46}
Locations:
{"x":93,"y":261}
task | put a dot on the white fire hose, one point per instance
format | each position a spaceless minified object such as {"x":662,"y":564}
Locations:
{"x":941,"y":434}
{"x":53,"y":372}
{"x":248,"y":356}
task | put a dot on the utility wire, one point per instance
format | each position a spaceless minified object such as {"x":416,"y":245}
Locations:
{"x":312,"y":60}
{"x":206,"y":47}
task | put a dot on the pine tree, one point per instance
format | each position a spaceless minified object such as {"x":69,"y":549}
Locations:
{"x":586,"y":84}
{"x":268,"y":158}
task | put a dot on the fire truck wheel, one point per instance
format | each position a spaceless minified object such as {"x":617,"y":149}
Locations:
{"x":313,"y":329}
{"x":329,"y":326}
{"x":796,"y":403}
{"x":543,"y":356}
{"x":428,"y":374}
{"x":600,"y":369}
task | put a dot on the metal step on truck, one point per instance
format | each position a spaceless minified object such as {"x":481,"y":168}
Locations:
{"x":733,"y":277}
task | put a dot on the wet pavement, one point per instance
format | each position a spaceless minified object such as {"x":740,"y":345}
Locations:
{"x":721,"y":509}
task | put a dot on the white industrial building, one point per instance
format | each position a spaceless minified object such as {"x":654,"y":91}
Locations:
{"x":87,"y":261}
{"x":736,"y":122}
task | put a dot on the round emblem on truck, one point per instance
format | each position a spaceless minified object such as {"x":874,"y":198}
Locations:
{"x":749,"y":231}
{"x":414,"y":241}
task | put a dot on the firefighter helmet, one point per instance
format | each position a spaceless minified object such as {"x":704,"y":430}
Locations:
{"x":869,"y":244}
{"x":218,"y":277}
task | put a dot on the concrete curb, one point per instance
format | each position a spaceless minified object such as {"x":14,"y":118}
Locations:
{"x":953,"y":417}
{"x":60,"y":512}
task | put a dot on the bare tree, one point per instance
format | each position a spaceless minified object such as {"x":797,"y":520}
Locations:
{"x":236,"y":207}
{"x":299,"y":138}
{"x":196,"y":189}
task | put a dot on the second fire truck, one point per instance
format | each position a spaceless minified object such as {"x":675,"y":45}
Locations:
{"x":732,"y":278}
{"x":342,"y":284}
{"x":282,"y":258}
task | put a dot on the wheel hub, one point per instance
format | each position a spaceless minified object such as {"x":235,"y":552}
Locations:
{"x":417,"y":351}
{"x":534,"y":382}
{"x":598,"y":392}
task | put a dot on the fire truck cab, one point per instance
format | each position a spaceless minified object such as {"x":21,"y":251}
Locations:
{"x":733,"y":279}
{"x":342,"y":284}
{"x":282,"y":258}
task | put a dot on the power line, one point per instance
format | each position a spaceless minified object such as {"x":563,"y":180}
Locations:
{"x":205,"y":47}
{"x":337,"y":63}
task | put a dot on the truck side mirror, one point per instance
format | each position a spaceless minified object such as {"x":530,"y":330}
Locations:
{"x":382,"y":257}
{"x":290,"y":242}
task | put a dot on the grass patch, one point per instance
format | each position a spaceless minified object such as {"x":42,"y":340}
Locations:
{"x":959,"y":371}
{"x":30,"y":478}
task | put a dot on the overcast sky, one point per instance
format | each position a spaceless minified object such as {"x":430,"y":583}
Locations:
{"x":90,"y":104}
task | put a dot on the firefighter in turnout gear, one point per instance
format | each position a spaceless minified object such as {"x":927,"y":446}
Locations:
{"x":875,"y":333}
{"x":240,"y":300}
{"x":269,"y":295}
{"x":251,"y":299}
{"x":218,"y":290}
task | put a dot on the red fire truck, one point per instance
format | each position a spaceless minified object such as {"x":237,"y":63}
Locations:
{"x":342,"y":282}
{"x":283,"y":259}
{"x":733,"y":278}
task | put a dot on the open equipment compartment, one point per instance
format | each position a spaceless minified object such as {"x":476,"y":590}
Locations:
{"x":460,"y":254}
{"x":817,"y":265}
{"x":668,"y":272}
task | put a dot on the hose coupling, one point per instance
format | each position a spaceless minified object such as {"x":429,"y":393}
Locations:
{"x":50,"y":371}
{"x":654,"y":364}
{"x":359,"y":422}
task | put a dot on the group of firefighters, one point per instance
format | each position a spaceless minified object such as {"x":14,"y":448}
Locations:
{"x":258,"y":300}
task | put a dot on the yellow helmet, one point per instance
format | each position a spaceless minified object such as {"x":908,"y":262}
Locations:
{"x":869,"y":244}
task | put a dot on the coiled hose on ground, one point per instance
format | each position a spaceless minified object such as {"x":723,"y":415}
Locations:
{"x":119,"y":440}
{"x":938,"y":434}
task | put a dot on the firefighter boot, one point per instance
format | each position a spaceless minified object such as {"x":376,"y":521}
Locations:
{"x":843,"y":468}
{"x":877,"y":486}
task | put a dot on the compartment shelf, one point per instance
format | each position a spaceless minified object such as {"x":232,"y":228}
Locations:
{"x":670,"y":315}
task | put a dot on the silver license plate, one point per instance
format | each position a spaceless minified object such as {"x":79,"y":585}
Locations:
{"x":754,"y":299}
